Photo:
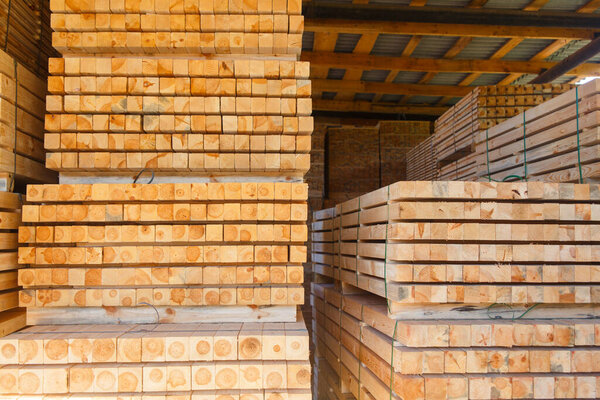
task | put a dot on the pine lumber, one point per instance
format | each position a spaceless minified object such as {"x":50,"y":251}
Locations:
{"x":420,"y":162}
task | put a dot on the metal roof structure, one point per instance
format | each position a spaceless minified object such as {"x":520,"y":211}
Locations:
{"x":362,"y":57}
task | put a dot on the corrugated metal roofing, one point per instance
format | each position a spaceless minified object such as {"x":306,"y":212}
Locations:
{"x":527,"y":49}
{"x":510,"y":4}
{"x":390,"y":98}
{"x":346,"y":42}
{"x":434,"y":46}
{"x":390,"y":45}
{"x":481,"y":48}
{"x":375,"y":75}
{"x":424,"y":99}
{"x":448,"y":3}
{"x":395,"y":2}
{"x":336,"y":73}
{"x":488,"y":79}
{"x":564,"y":5}
{"x":328,"y":95}
{"x":408,"y":77}
{"x":448,"y":78}
{"x":364,"y":96}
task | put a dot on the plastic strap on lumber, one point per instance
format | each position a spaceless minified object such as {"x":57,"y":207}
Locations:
{"x":356,"y":248}
{"x":392,"y":371}
{"x":578,"y":145}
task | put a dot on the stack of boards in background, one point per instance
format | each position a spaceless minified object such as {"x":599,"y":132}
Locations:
{"x":459,"y":290}
{"x":26,"y":35}
{"x":189,"y":287}
{"x":24,"y":51}
{"x":459,"y":132}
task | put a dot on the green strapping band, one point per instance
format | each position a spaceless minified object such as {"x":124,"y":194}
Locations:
{"x":524,"y":147}
{"x":386,"y":249}
{"x":578,"y":147}
{"x":392,"y":360}
{"x":356,"y":251}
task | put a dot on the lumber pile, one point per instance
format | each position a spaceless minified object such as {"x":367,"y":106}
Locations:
{"x":463,"y":169}
{"x":12,"y":317}
{"x":122,"y":245}
{"x":556,"y":141}
{"x":22,"y":108}
{"x":246,"y":361}
{"x":26,"y":35}
{"x":459,"y":290}
{"x":484,"y":108}
{"x":189,"y":287}
{"x":420,"y":162}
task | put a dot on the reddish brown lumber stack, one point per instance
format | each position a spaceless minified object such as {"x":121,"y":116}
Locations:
{"x":420,"y":162}
{"x":442,"y":261}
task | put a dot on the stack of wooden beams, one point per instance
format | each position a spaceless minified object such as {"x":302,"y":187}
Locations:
{"x":483,"y":108}
{"x":187,"y":252}
{"x":26,"y":35}
{"x":420,"y":162}
{"x":12,"y":318}
{"x":556,"y":141}
{"x":464,"y":254}
{"x":463,"y":169}
{"x":186,"y":288}
{"x":22,"y":108}
{"x":124,"y":114}
{"x":207,"y":27}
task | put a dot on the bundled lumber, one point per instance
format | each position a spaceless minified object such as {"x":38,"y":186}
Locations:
{"x":26,"y":35}
{"x":177,"y":27}
{"x":447,"y":359}
{"x":264,"y":361}
{"x":199,"y":244}
{"x":126,"y":114}
{"x":420,"y":162}
{"x":12,"y":318}
{"x":467,"y":242}
{"x":556,"y":141}
{"x":463,"y":169}
{"x":22,"y":108}
{"x":484,"y":108}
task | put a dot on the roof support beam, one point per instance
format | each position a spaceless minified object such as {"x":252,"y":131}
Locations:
{"x":356,"y":86}
{"x":367,"y":62}
{"x":449,"y":21}
{"x":569,"y":63}
{"x":368,"y":107}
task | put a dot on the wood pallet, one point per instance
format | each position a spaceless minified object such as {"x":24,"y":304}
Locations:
{"x":545,"y":139}
{"x":420,"y":162}
{"x":485,"y":107}
{"x":469,"y":359}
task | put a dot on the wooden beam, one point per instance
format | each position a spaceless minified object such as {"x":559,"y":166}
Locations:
{"x":535,"y":5}
{"x":477,"y":3}
{"x":436,"y":29}
{"x":417,"y":3}
{"x":569,"y":63}
{"x":589,"y":7}
{"x":368,"y":107}
{"x":365,"y":62}
{"x":357,"y":86}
